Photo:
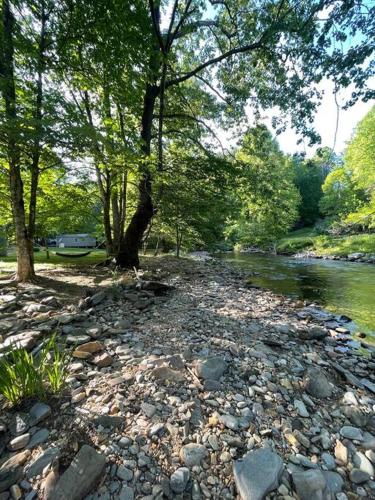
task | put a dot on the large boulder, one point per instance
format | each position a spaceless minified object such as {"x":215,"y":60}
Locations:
{"x":257,"y":473}
{"x":316,"y":383}
{"x":81,"y":476}
{"x":210,"y":368}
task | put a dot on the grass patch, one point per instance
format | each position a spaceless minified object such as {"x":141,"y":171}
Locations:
{"x":7,"y":264}
{"x":23,"y":375}
{"x":322,"y":244}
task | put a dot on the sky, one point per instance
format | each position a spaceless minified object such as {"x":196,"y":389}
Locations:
{"x":327,"y":117}
{"x":325,"y":123}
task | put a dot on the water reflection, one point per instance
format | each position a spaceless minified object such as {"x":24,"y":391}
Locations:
{"x":341,"y":287}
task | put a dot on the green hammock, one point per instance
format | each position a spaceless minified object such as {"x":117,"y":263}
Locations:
{"x":72,"y":255}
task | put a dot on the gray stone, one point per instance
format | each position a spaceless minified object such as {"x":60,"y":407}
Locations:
{"x":11,"y":470}
{"x":109,"y":421}
{"x":229,"y":421}
{"x":77,"y":339}
{"x":316,"y":383}
{"x":334,"y":482}
{"x":98,"y":297}
{"x":368,"y":384}
{"x":257,"y":473}
{"x":148,"y":409}
{"x":363,"y":463}
{"x":356,"y":416}
{"x":39,"y":437}
{"x":81,"y":476}
{"x":192,"y":454}
{"x":314,"y":333}
{"x":126,"y":493}
{"x":124,"y":473}
{"x":358,"y":476}
{"x":328,"y":460}
{"x":301,"y":408}
{"x":38,"y":413}
{"x":212,"y":385}
{"x":211,"y":368}
{"x":350,"y":432}
{"x":179,"y":479}
{"x":43,"y":460}
{"x":309,"y":484}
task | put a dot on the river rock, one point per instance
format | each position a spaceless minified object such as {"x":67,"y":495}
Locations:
{"x":229,"y":421}
{"x":316,"y":332}
{"x":358,"y":476}
{"x":309,"y":484}
{"x":363,"y":463}
{"x":43,"y":460}
{"x":334,"y":482}
{"x":102,"y":360}
{"x":19,"y":442}
{"x":211,"y":368}
{"x":38,"y":438}
{"x":179,"y":479}
{"x":11,"y":470}
{"x":98,"y":297}
{"x":350,"y":432}
{"x":301,"y":408}
{"x":192,"y":454}
{"x":38,"y":413}
{"x":317,"y":384}
{"x":91,"y":347}
{"x":81,"y":476}
{"x":257,"y":473}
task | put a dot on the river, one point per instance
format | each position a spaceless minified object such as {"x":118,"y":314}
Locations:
{"x":340,"y":287}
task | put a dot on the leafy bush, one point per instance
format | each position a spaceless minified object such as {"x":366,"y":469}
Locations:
{"x":23,"y":375}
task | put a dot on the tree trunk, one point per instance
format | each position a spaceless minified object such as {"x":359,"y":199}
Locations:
{"x":38,"y":125}
{"x":106,"y":201}
{"x":127,"y":256}
{"x":25,"y":266}
{"x":116,"y":221}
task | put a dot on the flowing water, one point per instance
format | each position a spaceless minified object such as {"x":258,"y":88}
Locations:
{"x":340,"y":287}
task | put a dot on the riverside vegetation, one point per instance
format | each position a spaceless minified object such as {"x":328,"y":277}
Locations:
{"x":235,"y":392}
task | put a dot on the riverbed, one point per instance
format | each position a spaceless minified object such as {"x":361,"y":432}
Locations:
{"x":340,"y":287}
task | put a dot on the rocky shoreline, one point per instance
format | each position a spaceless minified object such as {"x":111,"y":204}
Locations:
{"x":308,"y":254}
{"x":202,"y":388}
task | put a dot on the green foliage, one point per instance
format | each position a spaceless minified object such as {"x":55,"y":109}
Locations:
{"x":23,"y":375}
{"x":266,"y":198}
{"x":349,"y":191}
{"x":193,"y":214}
{"x":326,"y":244}
{"x":309,"y":176}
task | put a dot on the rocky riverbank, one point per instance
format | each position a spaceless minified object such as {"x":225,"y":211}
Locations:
{"x":352,"y":257}
{"x":198,"y":389}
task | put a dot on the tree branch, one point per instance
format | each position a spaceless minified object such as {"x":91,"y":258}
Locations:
{"x":215,"y":60}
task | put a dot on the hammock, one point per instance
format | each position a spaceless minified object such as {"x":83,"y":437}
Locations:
{"x":73,"y":255}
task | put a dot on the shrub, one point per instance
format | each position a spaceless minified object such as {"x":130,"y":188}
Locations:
{"x":23,"y":375}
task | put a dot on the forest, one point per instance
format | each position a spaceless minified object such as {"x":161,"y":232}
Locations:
{"x":112,"y":112}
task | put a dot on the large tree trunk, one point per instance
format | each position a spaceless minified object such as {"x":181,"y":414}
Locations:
{"x":36,"y":153}
{"x":127,"y":256}
{"x":106,"y":201}
{"x":25,"y":266}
